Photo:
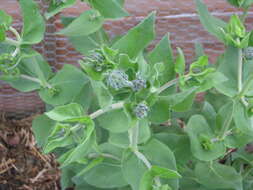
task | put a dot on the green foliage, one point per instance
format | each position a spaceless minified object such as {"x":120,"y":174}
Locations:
{"x":87,"y":23}
{"x":34,"y":25}
{"x":128,"y":119}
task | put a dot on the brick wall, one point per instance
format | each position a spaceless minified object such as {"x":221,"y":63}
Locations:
{"x":175,"y":16}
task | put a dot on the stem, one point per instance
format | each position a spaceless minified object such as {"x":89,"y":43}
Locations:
{"x":95,"y":155}
{"x":30,"y":78}
{"x":15,"y":32}
{"x":171,"y":83}
{"x":224,"y":130}
{"x":11,"y":42}
{"x":35,"y":80}
{"x":110,"y":108}
{"x":143,"y":159}
{"x":240,"y":70}
{"x":133,"y":136}
{"x":241,"y":89}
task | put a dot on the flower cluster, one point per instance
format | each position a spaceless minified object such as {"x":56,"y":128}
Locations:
{"x":139,"y":84}
{"x":248,"y":53}
{"x":118,"y":79}
{"x":141,"y":110}
{"x":97,"y":60}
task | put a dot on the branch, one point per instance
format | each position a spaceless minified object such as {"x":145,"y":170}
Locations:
{"x":143,"y":159}
{"x":110,"y":108}
{"x":35,"y":80}
{"x":171,"y":83}
{"x":95,"y":155}
{"x":11,"y":41}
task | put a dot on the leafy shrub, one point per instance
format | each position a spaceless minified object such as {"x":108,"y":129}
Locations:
{"x":127,"y":119}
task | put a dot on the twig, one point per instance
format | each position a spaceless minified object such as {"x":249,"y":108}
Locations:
{"x":115,"y":106}
{"x":33,"y":180}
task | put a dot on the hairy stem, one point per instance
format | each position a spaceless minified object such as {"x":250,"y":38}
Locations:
{"x":171,"y":83}
{"x":18,"y":38}
{"x":143,"y":159}
{"x":240,"y":76}
{"x":11,"y":42}
{"x":95,"y":155}
{"x":240,"y":70}
{"x":133,"y":138}
{"x":115,"y":106}
{"x":35,"y":80}
{"x":15,"y":32}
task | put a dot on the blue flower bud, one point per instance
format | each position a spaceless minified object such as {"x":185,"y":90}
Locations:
{"x":248,"y":53}
{"x":139,"y":84}
{"x":118,"y":79}
{"x":141,"y":110}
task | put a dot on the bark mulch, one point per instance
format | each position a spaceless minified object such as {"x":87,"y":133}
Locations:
{"x":22,"y":166}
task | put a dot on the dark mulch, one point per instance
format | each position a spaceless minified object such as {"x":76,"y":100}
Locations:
{"x":22,"y":166}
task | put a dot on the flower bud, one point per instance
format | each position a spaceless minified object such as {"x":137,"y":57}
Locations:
{"x":141,"y":110}
{"x":118,"y":79}
{"x":139,"y":84}
{"x":248,"y":53}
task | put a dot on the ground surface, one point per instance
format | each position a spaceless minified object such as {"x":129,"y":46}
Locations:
{"x":22,"y":166}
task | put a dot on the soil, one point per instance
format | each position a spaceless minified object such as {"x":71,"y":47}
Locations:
{"x":22,"y":166}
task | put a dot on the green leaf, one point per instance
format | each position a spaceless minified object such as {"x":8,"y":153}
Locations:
{"x":163,"y":53}
{"x":122,"y":139}
{"x":110,"y":9}
{"x":85,"y":97}
{"x":238,"y":139}
{"x":78,"y":179}
{"x":201,"y":137}
{"x":59,"y":142}
{"x":69,"y":113}
{"x":102,"y":93}
{"x":160,"y":111}
{"x":55,"y":8}
{"x":164,"y":173}
{"x":33,"y":65}
{"x":183,"y":101}
{"x":133,"y":169}
{"x":106,"y":175}
{"x":42,"y":127}
{"x":235,"y":27}
{"x":212,"y":24}
{"x":225,"y":177}
{"x":34,"y":25}
{"x":115,"y":121}
{"x":147,"y":181}
{"x":84,"y":44}
{"x":224,"y":117}
{"x":180,"y":62}
{"x":87,"y":23}
{"x":82,"y":149}
{"x":242,"y":121}
{"x":160,"y":155}
{"x":143,"y":33}
{"x":209,"y":113}
{"x":68,"y":82}
{"x":5,"y":20}
{"x":228,"y":66}
{"x":172,"y":140}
